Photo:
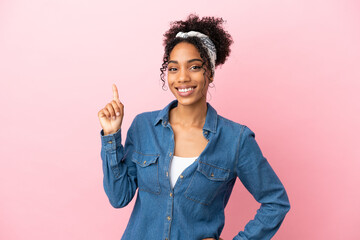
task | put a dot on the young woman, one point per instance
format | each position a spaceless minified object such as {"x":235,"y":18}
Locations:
{"x":185,"y":158}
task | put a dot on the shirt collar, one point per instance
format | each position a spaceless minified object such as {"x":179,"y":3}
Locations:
{"x":210,"y":121}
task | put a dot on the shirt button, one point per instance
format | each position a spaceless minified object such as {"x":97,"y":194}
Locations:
{"x":169,"y":218}
{"x":109,"y":141}
{"x":170,"y":154}
{"x":167,"y":174}
{"x":144,"y":162}
{"x":170,"y":194}
{"x":206,"y":132}
{"x":212,"y":174}
{"x":181,"y":176}
{"x":165,"y":122}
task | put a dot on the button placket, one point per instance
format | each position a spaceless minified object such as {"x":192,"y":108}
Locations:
{"x":206,"y":134}
{"x":170,"y":201}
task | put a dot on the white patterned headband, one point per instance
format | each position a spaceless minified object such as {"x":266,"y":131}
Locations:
{"x":207,"y":43}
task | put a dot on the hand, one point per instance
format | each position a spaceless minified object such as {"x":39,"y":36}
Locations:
{"x":112,"y":114}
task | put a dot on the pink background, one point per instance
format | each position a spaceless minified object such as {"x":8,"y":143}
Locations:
{"x":292,"y":77}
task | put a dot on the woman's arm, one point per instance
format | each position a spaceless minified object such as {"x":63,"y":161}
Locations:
{"x":120,"y":174}
{"x":120,"y":181}
{"x":260,"y":180}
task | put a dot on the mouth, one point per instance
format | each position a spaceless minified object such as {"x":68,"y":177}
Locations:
{"x":185,"y":91}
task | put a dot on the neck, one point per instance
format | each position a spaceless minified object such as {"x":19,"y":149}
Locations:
{"x":189,"y":115}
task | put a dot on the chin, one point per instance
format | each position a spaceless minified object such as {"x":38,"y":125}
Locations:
{"x":189,"y":101}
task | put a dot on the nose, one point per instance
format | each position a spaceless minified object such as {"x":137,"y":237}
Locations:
{"x":183,"y":75}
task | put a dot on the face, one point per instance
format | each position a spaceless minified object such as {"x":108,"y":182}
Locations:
{"x":185,"y":75}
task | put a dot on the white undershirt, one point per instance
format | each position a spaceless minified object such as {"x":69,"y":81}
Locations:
{"x":177,"y":166}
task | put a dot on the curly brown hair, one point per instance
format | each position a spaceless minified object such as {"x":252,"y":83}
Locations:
{"x":210,"y":26}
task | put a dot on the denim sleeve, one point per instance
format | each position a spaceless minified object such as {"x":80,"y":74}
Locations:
{"x":120,"y":175}
{"x":260,"y":180}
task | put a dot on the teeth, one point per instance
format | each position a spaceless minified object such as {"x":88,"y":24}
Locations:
{"x":185,"y":89}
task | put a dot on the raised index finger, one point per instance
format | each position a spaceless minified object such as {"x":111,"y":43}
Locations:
{"x":115,"y":92}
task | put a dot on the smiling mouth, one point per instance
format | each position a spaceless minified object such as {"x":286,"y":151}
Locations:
{"x":184,"y":90}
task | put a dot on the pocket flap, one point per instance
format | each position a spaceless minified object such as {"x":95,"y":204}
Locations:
{"x":212,"y":172}
{"x":144,"y":160}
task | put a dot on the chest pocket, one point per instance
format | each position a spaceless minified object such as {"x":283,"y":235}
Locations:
{"x":206,"y":183}
{"x":147,"y":172}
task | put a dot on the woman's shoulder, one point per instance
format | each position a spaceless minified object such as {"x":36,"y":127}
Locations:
{"x":148,"y":116}
{"x":233,"y":127}
{"x":228,"y":123}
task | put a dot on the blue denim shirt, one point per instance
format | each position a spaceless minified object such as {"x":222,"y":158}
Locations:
{"x":194,"y":208}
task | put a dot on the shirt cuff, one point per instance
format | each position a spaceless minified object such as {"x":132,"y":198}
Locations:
{"x":110,"y":141}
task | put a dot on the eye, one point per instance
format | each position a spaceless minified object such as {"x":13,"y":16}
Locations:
{"x":172,"y":69}
{"x":196,"y":67}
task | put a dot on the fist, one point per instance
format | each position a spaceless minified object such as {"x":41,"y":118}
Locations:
{"x":112,"y":114}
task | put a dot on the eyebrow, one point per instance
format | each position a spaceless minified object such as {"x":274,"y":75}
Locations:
{"x":192,"y":60}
